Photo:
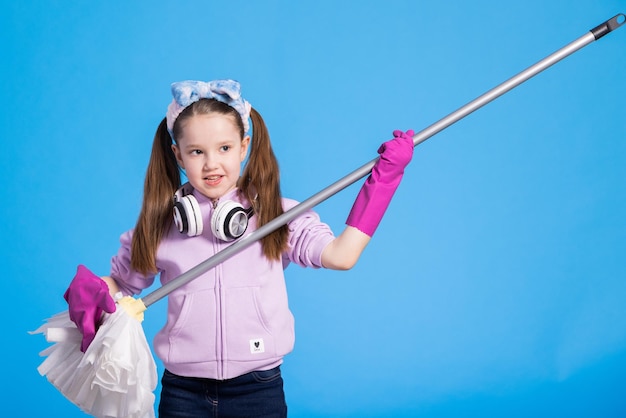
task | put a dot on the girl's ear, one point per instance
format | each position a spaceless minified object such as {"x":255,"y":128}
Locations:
{"x":244,"y":148}
{"x":177,"y":154}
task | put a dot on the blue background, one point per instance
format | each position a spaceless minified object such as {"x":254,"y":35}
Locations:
{"x":496,"y":283}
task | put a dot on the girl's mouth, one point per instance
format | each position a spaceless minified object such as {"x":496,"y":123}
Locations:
{"x":212,"y":180}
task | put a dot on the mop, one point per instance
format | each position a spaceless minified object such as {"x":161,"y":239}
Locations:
{"x":116,"y":376}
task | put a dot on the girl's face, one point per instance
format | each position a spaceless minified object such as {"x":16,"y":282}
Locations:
{"x":211,"y":151}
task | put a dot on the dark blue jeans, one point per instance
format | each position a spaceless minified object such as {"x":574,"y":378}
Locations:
{"x":255,"y":394}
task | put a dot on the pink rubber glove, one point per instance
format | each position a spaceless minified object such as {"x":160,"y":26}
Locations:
{"x":375,"y":195}
{"x":88,"y":296}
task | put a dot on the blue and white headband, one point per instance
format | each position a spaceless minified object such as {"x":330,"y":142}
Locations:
{"x":187,"y":92}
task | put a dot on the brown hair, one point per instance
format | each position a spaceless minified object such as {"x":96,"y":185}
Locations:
{"x":259,"y":184}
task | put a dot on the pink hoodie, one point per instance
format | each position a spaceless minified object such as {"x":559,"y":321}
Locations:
{"x":235,"y":318}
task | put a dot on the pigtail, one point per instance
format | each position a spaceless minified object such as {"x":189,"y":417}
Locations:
{"x":261,"y":185}
{"x":162,"y":181}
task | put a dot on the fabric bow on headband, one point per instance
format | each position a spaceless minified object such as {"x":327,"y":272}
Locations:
{"x":187,"y":92}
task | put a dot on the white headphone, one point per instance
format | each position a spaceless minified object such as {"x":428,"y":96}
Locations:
{"x":228,"y":222}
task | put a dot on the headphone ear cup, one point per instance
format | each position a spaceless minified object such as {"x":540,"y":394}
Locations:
{"x":180,"y":218}
{"x":229,"y":221}
{"x":187,"y":216}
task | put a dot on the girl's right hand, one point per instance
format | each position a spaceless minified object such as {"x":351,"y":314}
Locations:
{"x":88,"y":296}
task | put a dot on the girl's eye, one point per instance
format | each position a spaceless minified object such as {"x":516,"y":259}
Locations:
{"x":196,"y":152}
{"x":225,"y":148}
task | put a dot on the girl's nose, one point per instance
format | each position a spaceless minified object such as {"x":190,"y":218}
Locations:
{"x":210,"y":161}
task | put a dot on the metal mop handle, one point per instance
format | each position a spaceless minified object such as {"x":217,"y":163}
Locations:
{"x":593,"y":35}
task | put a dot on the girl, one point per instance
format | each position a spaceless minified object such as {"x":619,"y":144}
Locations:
{"x":228,"y":330}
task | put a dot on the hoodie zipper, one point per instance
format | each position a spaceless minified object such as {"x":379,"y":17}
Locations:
{"x":219,"y":320}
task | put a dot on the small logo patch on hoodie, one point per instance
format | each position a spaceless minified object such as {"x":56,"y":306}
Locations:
{"x":257,"y":346}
